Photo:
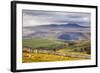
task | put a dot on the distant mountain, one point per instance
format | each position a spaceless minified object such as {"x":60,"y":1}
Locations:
{"x":69,"y":25}
{"x":58,"y":31}
{"x":73,"y":36}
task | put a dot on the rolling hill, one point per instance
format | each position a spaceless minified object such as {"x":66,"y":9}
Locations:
{"x":58,"y":31}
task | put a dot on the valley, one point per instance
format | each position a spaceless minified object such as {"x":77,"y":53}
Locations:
{"x":55,"y":42}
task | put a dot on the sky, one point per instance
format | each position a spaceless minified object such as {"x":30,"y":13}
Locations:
{"x":37,"y":17}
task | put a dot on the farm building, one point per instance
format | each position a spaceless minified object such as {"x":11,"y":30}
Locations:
{"x":27,"y":49}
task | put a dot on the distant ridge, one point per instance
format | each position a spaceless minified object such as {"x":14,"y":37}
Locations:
{"x":69,"y":25}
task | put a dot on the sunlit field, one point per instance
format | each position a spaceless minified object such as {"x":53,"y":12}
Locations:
{"x":43,"y":50}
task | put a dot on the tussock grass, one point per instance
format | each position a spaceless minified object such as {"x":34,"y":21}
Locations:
{"x":45,"y":58}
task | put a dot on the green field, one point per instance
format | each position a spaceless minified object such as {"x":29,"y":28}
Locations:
{"x":45,"y":50}
{"x":35,"y":43}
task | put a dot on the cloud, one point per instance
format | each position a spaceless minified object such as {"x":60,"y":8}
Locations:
{"x":36,"y":17}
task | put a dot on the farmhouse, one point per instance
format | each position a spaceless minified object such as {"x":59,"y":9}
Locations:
{"x":27,"y":49}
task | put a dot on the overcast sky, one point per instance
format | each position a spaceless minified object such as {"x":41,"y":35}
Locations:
{"x":34,"y":17}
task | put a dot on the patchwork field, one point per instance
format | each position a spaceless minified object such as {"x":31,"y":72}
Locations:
{"x":46,"y":58}
{"x":43,"y":50}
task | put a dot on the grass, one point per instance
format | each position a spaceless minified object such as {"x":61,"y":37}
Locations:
{"x":45,"y":58}
{"x":68,"y":50}
{"x":41,"y":43}
{"x":64,"y":50}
